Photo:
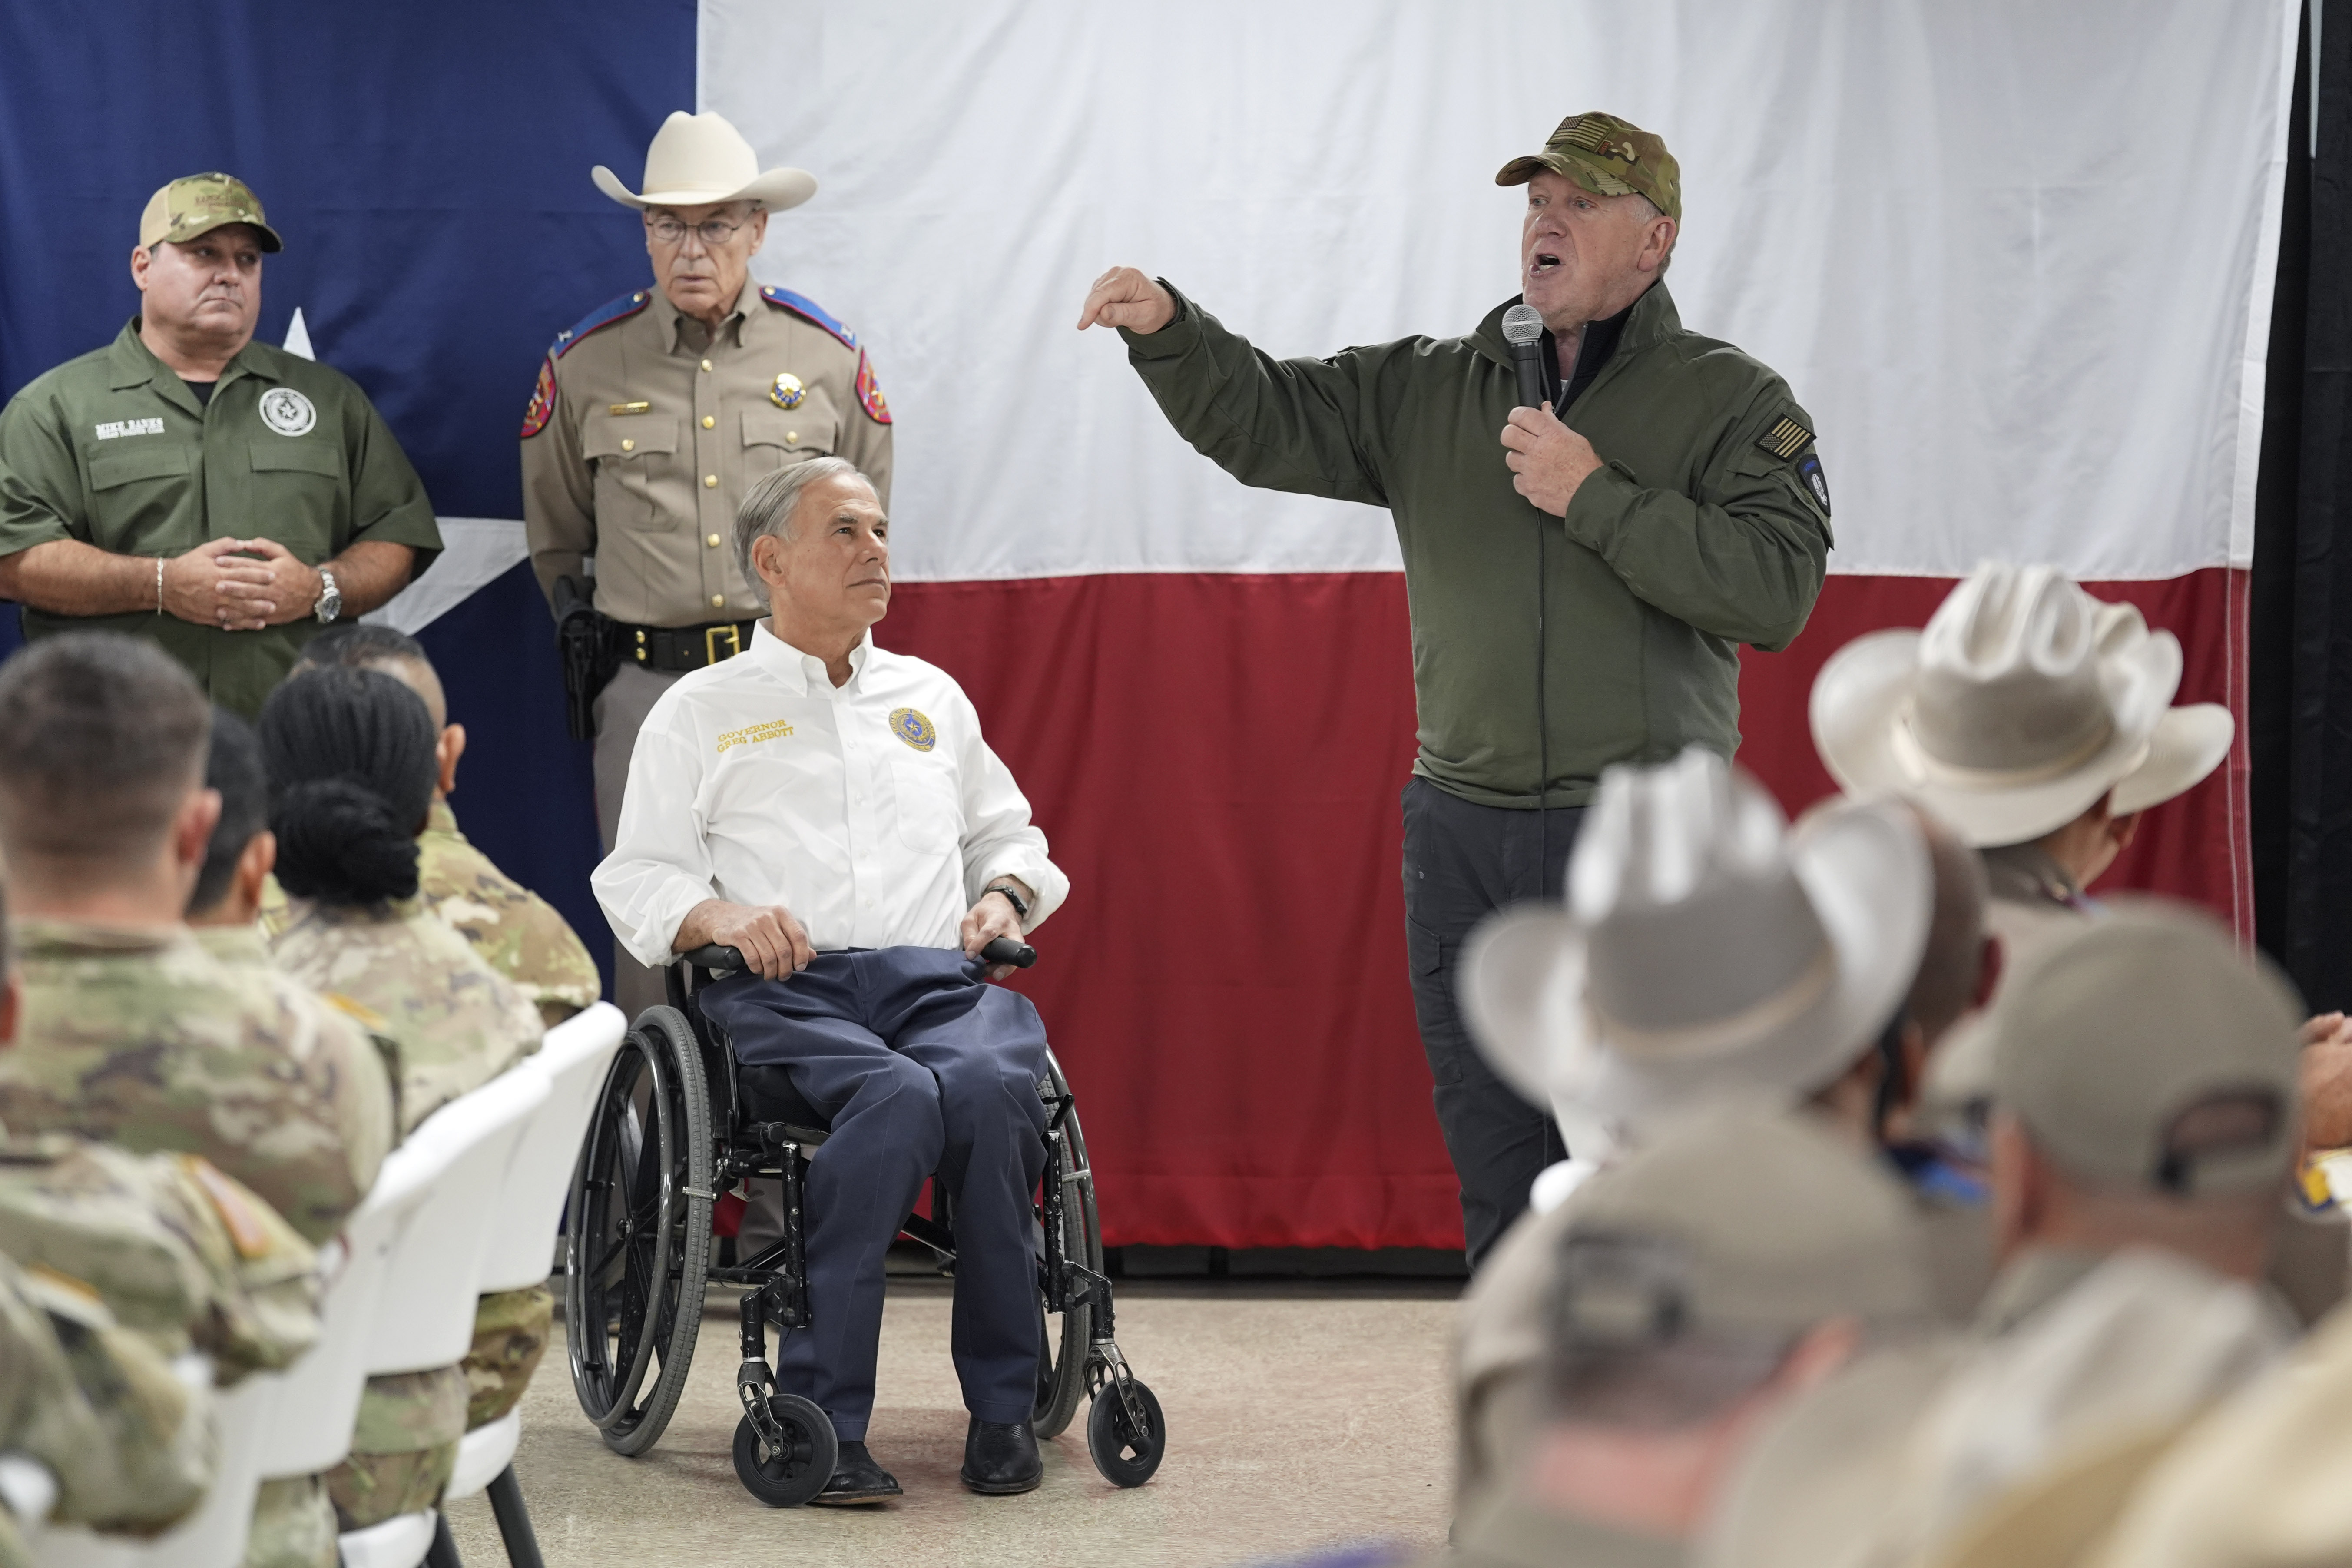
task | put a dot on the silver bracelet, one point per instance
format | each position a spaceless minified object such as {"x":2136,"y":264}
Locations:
{"x":159,"y":585}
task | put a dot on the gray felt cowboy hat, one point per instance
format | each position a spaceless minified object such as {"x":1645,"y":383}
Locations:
{"x":698,"y":160}
{"x":1704,"y":952}
{"x":2023,"y":702}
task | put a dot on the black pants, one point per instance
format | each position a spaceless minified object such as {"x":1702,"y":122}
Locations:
{"x":1462,"y":863}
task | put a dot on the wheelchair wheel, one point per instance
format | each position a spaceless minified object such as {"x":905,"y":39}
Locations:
{"x":1064,"y":1346}
{"x":787,"y":1476}
{"x":639,"y":1247}
{"x":1124,"y":1453}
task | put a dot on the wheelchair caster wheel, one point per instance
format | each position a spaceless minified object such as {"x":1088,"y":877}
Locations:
{"x":788,"y":1477}
{"x":1126,"y":1457}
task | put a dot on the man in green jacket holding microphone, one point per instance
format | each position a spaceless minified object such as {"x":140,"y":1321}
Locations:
{"x":1581,"y":574}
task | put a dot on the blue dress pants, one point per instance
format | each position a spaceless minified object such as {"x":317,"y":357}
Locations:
{"x":921,"y":1066}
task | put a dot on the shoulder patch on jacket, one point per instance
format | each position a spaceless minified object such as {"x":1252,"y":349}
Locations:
{"x":869,"y":394}
{"x":543,"y":400}
{"x":809,"y":311}
{"x":604,"y":315}
{"x":1786,"y":438}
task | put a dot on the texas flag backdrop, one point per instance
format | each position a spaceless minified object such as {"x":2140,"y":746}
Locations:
{"x":2015,"y":260}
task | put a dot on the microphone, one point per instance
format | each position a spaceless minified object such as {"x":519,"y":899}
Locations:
{"x":1523,"y":329}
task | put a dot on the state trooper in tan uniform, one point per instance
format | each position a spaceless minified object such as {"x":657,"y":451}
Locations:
{"x":658,"y":411}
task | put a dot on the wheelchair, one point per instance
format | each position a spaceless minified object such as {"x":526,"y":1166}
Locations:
{"x":670,"y":1132}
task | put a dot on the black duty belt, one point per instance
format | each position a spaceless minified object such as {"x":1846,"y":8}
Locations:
{"x":675,"y":650}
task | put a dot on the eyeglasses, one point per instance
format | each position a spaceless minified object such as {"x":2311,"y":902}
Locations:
{"x":715,"y":232}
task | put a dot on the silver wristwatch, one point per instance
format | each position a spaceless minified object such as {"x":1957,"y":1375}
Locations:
{"x":330,"y":598}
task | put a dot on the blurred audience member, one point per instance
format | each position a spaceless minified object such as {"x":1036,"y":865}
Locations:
{"x":2145,"y":1075}
{"x":1891,"y":892}
{"x":1699,"y":1287}
{"x":517,"y":932}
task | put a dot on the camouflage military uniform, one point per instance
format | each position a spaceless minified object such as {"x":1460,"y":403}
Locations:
{"x":402,"y":1447}
{"x":143,"y":1038}
{"x":517,"y":932}
{"x":457,"y":1025}
{"x":139,"y":1260}
{"x":128,"y":1443}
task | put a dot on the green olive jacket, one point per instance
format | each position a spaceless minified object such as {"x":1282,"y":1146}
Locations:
{"x":1709,"y":527}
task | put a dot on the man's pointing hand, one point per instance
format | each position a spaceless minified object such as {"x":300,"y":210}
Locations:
{"x":1124,"y":296}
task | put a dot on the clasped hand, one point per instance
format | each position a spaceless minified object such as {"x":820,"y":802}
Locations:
{"x":240,"y":584}
{"x":1549,"y":460}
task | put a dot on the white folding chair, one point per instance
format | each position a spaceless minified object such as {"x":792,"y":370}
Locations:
{"x":573,"y":1059}
{"x":432,"y":1278}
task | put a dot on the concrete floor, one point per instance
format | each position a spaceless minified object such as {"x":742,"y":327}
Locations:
{"x":1299,"y":1416}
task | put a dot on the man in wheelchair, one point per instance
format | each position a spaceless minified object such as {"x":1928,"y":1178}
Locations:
{"x":830,"y":810}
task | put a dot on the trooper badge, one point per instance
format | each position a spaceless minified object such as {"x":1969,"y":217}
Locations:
{"x":787,"y":392}
{"x":910,"y":725}
{"x":287,"y":412}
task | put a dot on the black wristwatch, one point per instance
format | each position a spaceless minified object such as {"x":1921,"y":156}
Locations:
{"x":1020,"y":905}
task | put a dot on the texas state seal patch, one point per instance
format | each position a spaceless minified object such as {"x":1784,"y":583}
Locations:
{"x":542,"y":400}
{"x":911,"y":726}
{"x":869,"y":395}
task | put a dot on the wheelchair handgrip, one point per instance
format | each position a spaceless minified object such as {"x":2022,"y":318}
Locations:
{"x":723,"y":960}
{"x":1005,"y":950}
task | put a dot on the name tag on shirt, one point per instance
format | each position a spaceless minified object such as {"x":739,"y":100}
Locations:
{"x":116,"y":428}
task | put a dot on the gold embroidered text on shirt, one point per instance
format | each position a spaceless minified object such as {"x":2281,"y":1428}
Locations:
{"x":773,"y":730}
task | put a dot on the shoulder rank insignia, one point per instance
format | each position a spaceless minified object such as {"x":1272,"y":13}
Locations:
{"x":869,"y":396}
{"x":809,"y":311}
{"x":1786,"y":438}
{"x":543,"y":400}
{"x":603,"y":316}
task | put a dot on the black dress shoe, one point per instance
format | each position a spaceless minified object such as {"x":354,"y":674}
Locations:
{"x":857,"y":1479}
{"x":1000,"y":1457}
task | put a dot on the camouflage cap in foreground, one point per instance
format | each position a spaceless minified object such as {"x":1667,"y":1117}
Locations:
{"x":199,"y":204}
{"x":2150,"y":1052}
{"x":1609,"y":157}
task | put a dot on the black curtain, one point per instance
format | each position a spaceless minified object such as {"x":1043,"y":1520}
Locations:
{"x":2300,"y":665}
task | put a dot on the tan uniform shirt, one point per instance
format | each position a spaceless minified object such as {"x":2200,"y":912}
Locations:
{"x":647,"y":427}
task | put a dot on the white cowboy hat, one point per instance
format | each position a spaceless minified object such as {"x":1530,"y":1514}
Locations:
{"x":1705,"y":952}
{"x":2023,"y":702}
{"x":697,"y":160}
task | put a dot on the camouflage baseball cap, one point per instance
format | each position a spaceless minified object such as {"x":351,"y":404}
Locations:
{"x":199,"y":204}
{"x":1609,"y":157}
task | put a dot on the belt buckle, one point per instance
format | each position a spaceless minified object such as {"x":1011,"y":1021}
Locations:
{"x":710,"y":635}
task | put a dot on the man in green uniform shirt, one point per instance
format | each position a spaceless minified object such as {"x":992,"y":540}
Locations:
{"x":137,"y":482}
{"x":1579,"y":583}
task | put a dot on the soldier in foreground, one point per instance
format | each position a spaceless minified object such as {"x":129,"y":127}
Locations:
{"x":349,"y":755}
{"x":654,"y":413}
{"x":514,"y":929}
{"x":132,"y":1032}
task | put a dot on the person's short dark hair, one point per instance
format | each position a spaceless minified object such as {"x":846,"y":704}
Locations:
{"x":349,"y":754}
{"x":234,"y":769}
{"x":355,"y":645}
{"x":101,"y":738}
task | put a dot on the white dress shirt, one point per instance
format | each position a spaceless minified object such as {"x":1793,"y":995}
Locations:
{"x":872,"y":811}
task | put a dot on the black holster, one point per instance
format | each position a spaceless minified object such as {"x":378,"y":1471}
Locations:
{"x":591,"y":652}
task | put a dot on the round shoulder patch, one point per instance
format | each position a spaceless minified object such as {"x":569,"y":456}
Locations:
{"x":287,"y":412}
{"x":911,"y":726}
